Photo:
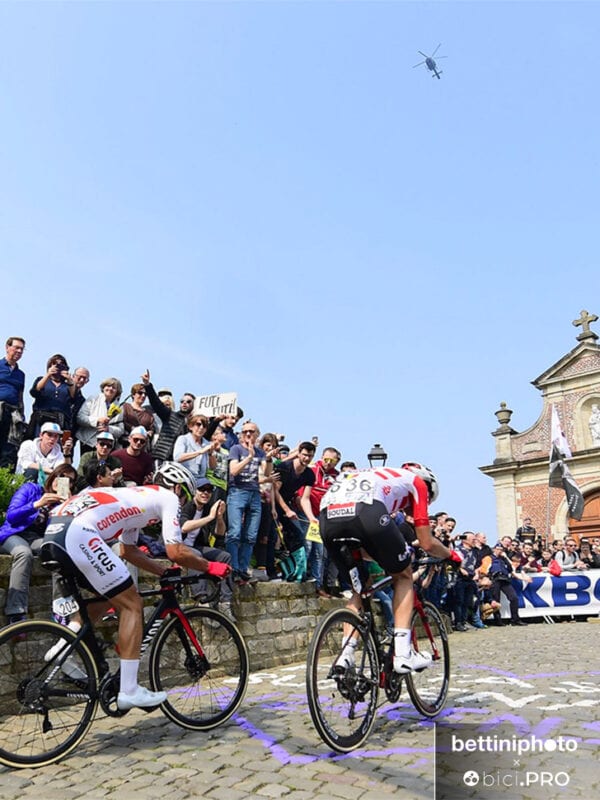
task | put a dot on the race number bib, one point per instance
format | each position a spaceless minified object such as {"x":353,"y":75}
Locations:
{"x":352,"y":488}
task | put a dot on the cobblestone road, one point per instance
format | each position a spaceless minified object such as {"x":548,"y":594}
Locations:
{"x":541,"y":679}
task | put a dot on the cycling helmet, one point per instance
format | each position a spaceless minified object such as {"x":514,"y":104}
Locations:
{"x":171,"y":474}
{"x":424,"y":472}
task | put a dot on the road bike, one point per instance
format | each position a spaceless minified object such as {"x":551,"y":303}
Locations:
{"x":48,"y":702}
{"x":343,"y":702}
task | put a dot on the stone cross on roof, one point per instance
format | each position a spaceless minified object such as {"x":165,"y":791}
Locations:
{"x":584,"y":321}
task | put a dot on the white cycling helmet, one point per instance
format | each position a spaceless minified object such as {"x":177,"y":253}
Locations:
{"x":171,"y":474}
{"x":424,"y":472}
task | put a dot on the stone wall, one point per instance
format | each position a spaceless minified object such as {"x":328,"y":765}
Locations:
{"x":276,"y":619}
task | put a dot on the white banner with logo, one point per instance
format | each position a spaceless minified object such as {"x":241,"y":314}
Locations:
{"x":576,"y":593}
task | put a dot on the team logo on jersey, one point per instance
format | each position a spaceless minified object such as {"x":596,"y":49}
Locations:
{"x":387,"y":489}
{"x":385,"y":519}
{"x":341,"y":510}
{"x":97,"y":547}
{"x":117,"y":516}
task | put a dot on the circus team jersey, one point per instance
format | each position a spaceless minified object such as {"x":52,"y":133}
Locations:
{"x":395,"y":488}
{"x":119,"y":514}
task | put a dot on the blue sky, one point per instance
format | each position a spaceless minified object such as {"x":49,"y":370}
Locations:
{"x":267,"y":198}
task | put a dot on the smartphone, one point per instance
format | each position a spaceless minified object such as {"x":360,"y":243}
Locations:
{"x":66,"y":435}
{"x":63,"y":487}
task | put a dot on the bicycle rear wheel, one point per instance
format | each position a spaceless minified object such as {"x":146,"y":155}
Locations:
{"x":428,"y":689}
{"x":203,"y":690}
{"x":46,"y":708}
{"x":342,"y":702}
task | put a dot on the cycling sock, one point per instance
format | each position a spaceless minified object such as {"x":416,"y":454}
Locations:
{"x":129,"y":675}
{"x":402,"y":642}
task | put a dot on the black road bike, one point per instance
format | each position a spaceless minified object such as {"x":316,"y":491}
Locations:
{"x":343,"y":703}
{"x":197,"y":655}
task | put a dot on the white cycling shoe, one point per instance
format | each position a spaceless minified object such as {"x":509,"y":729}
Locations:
{"x":141,"y":698}
{"x":413,"y":662}
{"x":346,"y":659}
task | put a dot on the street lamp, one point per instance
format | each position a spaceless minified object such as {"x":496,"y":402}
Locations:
{"x":377,"y":456}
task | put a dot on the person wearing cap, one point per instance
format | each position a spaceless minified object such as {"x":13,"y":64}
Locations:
{"x":202,"y":521}
{"x":137,"y":463}
{"x":44,"y":453}
{"x":105,"y":443}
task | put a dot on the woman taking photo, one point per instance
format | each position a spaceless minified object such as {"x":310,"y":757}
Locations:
{"x":53,"y":395}
{"x":22,"y":533}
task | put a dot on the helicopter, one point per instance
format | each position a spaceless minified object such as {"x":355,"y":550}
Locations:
{"x":430,"y":63}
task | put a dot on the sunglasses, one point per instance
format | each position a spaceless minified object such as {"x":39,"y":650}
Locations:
{"x":204,"y":489}
{"x":138,"y":440}
{"x":330,"y":460}
{"x":198,"y":425}
{"x":144,"y":393}
{"x":187,"y":402}
{"x":104,"y":444}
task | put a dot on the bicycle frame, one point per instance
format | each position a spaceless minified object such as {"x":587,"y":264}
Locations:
{"x":168,"y":605}
{"x":366,"y":592}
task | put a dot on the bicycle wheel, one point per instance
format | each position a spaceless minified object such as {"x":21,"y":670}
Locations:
{"x":203,"y":690}
{"x":428,"y":689}
{"x":342,"y":702}
{"x":46,"y":708}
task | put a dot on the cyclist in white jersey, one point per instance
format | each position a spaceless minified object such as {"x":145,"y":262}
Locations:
{"x":360,"y":505}
{"x":86,"y":525}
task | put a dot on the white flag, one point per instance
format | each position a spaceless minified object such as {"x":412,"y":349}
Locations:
{"x":558,"y":438}
{"x":560,"y":475}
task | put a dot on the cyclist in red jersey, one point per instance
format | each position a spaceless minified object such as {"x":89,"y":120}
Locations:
{"x":85,"y":526}
{"x":362,"y":505}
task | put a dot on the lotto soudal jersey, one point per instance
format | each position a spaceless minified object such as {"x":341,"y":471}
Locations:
{"x":121,"y":513}
{"x":397,"y":489}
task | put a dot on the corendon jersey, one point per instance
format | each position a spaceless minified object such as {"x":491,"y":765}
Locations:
{"x":86,"y":525}
{"x":395,"y":488}
{"x":121,"y":513}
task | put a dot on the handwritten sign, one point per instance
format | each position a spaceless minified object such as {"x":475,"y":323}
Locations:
{"x":213,"y":405}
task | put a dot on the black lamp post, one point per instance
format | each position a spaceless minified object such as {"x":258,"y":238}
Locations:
{"x":377,"y":456}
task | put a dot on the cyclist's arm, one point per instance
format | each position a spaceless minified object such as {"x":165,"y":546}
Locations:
{"x":133,"y":554}
{"x":186,"y":556}
{"x":430,"y":543}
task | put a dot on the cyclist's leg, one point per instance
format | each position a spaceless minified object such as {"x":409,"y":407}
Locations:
{"x":107,"y":574}
{"x":333,"y":531}
{"x":386,"y":541}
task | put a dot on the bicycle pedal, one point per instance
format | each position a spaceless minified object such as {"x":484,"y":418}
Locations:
{"x":148,"y":709}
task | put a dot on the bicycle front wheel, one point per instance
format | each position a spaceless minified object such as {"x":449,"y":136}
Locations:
{"x":204,"y":687}
{"x":46,"y":707}
{"x":428,"y":689}
{"x":342,"y":699}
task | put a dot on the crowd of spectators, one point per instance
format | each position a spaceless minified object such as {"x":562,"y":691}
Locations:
{"x":471,"y":595}
{"x":256,"y":504}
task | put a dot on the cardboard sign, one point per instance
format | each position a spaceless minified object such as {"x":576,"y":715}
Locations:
{"x":213,"y":405}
